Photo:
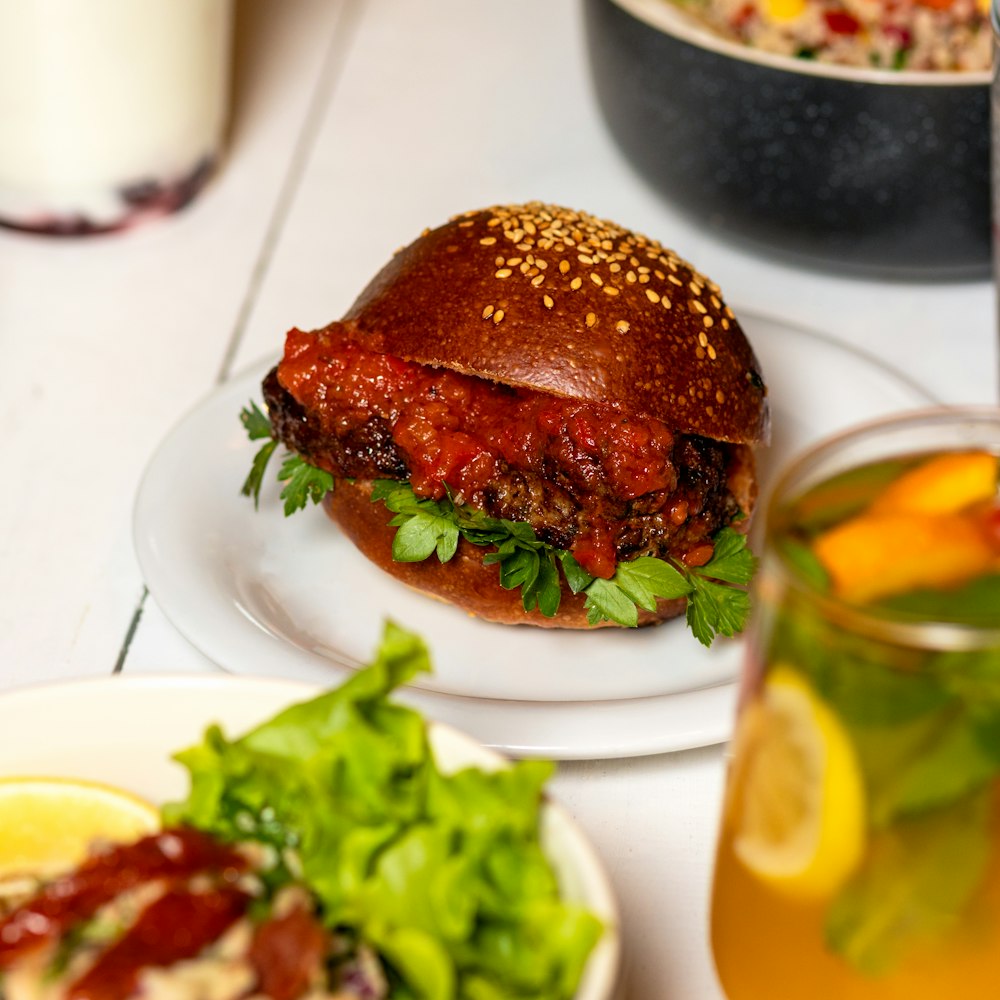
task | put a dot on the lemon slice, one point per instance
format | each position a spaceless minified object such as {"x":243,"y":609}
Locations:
{"x":47,"y":825}
{"x":800,"y":822}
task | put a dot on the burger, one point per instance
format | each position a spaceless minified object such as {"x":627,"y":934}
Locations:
{"x":536,"y":415}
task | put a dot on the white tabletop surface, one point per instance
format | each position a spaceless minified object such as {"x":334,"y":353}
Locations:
{"x":356,"y":124}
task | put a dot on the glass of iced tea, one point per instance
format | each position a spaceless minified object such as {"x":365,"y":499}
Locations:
{"x":859,"y":850}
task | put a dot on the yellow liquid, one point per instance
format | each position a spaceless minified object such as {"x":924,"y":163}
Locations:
{"x":768,"y":947}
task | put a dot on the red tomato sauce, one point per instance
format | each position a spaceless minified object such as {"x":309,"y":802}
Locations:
{"x":457,"y":431}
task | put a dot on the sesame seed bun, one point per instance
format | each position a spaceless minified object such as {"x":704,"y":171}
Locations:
{"x":556,"y":300}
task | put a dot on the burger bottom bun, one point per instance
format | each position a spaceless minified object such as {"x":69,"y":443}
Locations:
{"x":463,"y":581}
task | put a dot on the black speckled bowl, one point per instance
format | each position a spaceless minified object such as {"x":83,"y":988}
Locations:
{"x":879,"y":173}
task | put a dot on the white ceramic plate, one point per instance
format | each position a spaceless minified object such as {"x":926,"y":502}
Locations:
{"x":262,"y":594}
{"x":123,"y":730}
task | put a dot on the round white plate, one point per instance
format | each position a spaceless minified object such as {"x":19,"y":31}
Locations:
{"x":259,"y":593}
{"x":123,"y":731}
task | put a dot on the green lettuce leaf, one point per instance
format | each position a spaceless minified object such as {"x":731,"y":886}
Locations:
{"x":442,"y":873}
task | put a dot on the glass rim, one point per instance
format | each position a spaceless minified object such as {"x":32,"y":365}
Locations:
{"x":881,"y":624}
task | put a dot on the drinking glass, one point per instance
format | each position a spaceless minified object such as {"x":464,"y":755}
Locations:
{"x":859,"y":848}
{"x":112,"y":111}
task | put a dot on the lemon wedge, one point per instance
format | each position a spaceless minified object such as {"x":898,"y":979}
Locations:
{"x":800,"y":820}
{"x":47,"y":825}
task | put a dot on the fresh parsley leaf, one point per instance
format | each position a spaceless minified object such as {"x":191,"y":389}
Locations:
{"x":422,"y":533}
{"x":545,"y":592}
{"x":255,"y":479}
{"x":304,"y":482}
{"x":256,"y":422}
{"x":608,"y":602}
{"x":731,"y":561}
{"x":645,"y":579}
{"x":527,"y":563}
{"x":576,"y":576}
{"x":715,"y":609}
{"x":258,"y":426}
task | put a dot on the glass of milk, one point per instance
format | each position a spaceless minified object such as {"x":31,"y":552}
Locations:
{"x":111,"y":111}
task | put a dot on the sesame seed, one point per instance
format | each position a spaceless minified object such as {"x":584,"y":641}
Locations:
{"x":643,"y":279}
{"x":622,"y":327}
{"x":487,"y":312}
{"x":488,"y":241}
{"x":665,"y":302}
{"x":695,"y":287}
{"x":720,"y":396}
{"x":563,"y":266}
{"x":610,"y":290}
{"x":596,"y":278}
{"x":498,"y":316}
{"x":543,"y":264}
{"x":584,"y":259}
{"x":630,"y":277}
{"x":591,"y":319}
{"x":504,"y":272}
{"x":652,"y":296}
{"x":708,"y":321}
{"x":514,"y":261}
{"x":615,"y":268}
{"x":703,"y":339}
{"x":536,"y":281}
{"x":725,"y":323}
{"x":576,"y":283}
{"x":699,"y":306}
{"x":711,"y":352}
{"x":498,"y":261}
{"x":548,"y":301}
{"x":677,"y":281}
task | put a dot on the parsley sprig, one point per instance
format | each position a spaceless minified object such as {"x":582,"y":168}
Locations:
{"x":716,"y":602}
{"x":715,"y":607}
{"x":303,"y":482}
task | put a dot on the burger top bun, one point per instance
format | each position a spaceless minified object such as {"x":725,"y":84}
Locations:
{"x":556,"y":300}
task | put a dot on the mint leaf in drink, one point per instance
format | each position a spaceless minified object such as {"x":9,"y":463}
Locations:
{"x":917,"y":880}
{"x":974,"y":603}
{"x":951,"y":761}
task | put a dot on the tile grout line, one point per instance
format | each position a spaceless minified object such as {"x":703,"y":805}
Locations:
{"x":344,"y":27}
{"x":333,"y":61}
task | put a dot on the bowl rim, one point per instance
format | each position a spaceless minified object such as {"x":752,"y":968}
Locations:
{"x":666,"y":17}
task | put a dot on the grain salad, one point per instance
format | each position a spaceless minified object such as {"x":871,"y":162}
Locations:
{"x":889,"y":34}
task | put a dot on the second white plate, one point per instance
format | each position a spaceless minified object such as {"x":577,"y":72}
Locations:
{"x":262,"y":594}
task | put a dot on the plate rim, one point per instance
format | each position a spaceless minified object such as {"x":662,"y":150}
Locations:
{"x":704,"y":712}
{"x":604,"y":970}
